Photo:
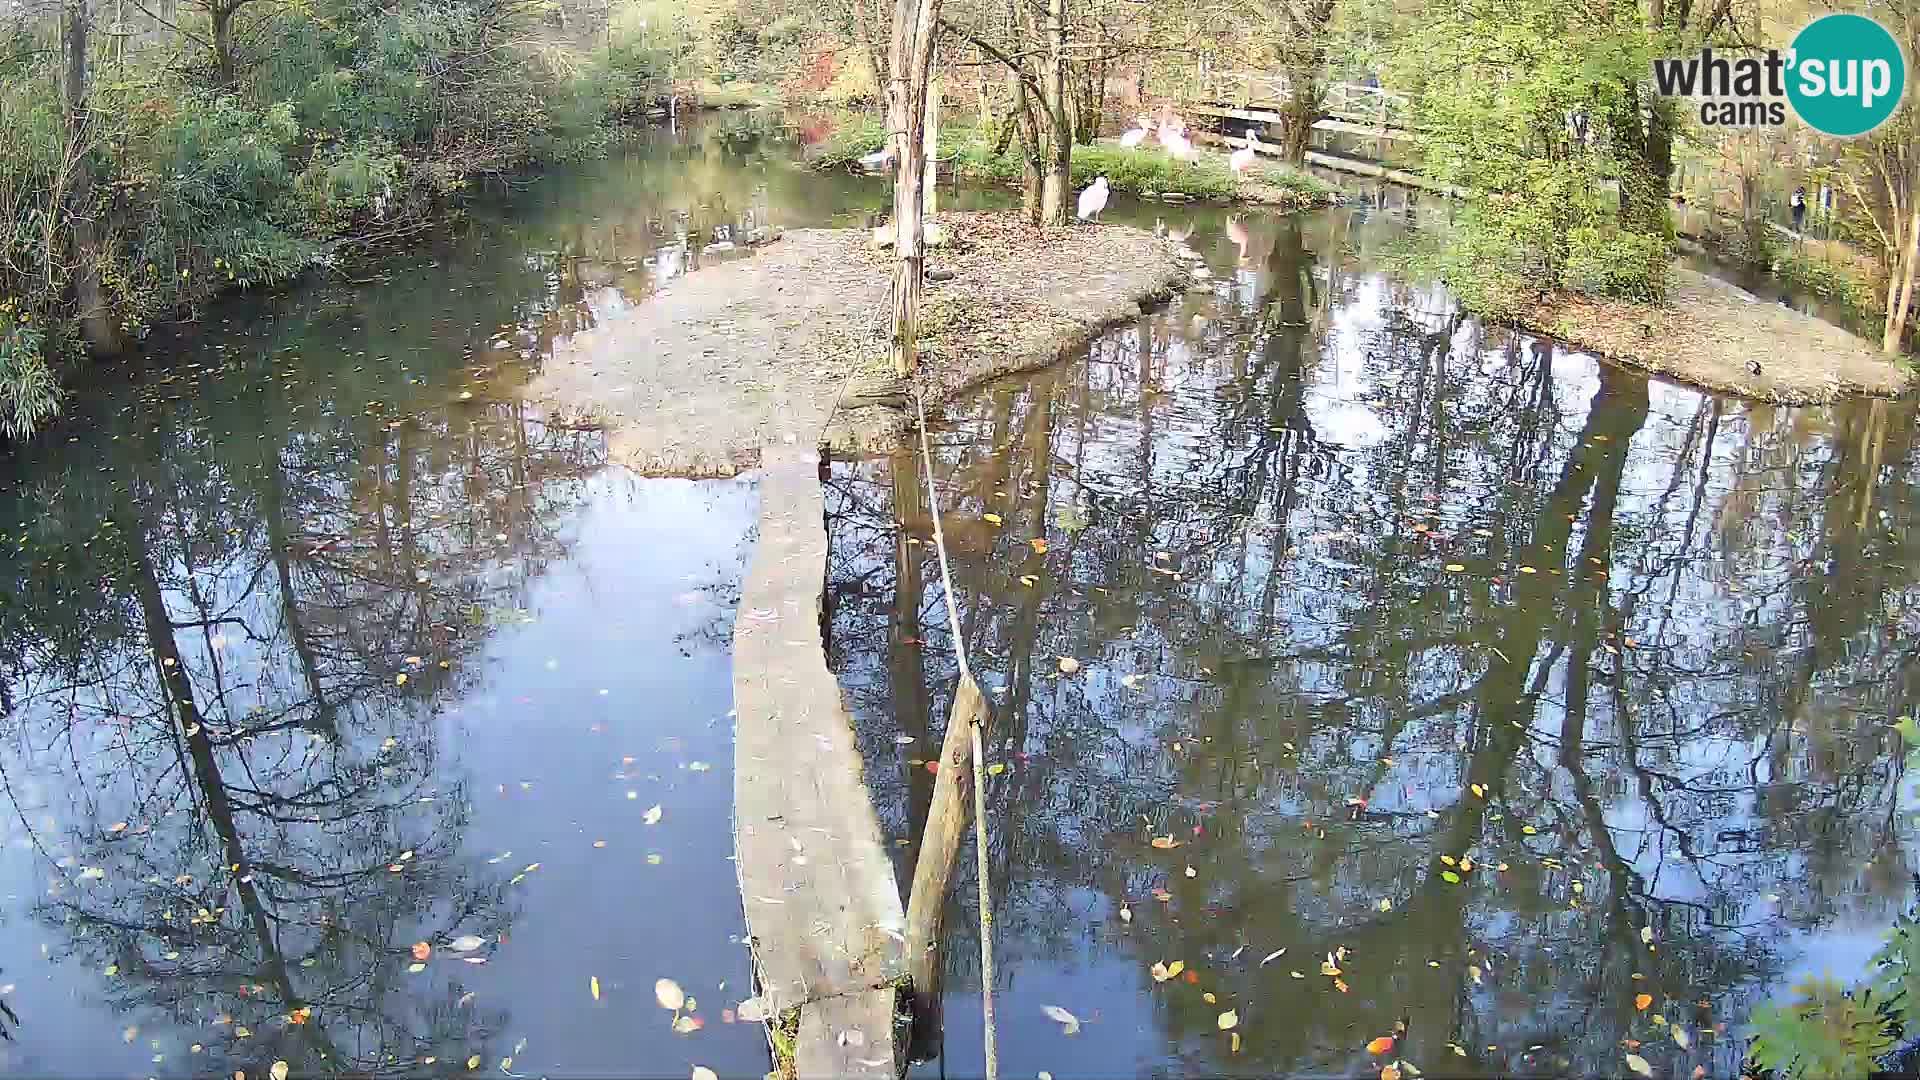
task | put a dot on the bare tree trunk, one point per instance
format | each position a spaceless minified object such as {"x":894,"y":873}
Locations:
{"x":1030,"y":179}
{"x":96,"y":320}
{"x":930,"y":143}
{"x":226,"y":68}
{"x":1054,"y":194}
{"x":911,"y":63}
{"x":1896,"y":327}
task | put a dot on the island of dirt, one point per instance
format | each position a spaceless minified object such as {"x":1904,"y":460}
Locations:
{"x":733,"y":359}
{"x":1713,"y":334}
{"x":740,"y":366}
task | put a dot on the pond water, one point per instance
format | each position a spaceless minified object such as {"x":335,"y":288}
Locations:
{"x":1511,"y":685}
{"x":321,"y":658}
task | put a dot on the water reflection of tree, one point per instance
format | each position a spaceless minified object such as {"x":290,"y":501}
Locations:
{"x":236,"y":609}
{"x":1713,"y":770}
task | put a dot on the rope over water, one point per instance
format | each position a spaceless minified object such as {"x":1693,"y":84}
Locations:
{"x":979,"y":768}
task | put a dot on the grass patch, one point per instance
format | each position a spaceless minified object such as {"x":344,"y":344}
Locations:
{"x":1306,"y":186}
{"x":1832,"y":282}
{"x":736,"y":95}
{"x":784,"y":1033}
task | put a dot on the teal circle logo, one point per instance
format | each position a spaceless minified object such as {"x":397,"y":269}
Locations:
{"x":1845,"y":75}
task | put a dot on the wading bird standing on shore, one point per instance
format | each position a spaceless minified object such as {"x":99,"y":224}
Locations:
{"x":1143,"y":127}
{"x":1093,"y":200}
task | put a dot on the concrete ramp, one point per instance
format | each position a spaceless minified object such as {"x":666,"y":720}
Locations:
{"x":818,"y":888}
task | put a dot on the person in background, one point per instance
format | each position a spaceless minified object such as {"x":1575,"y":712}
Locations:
{"x":1799,"y":207}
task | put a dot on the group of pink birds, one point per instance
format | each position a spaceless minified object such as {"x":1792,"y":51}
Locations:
{"x":1171,"y":131}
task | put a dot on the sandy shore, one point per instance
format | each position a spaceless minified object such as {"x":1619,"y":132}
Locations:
{"x":1707,"y":333}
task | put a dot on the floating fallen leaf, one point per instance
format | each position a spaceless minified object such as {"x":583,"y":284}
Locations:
{"x":1228,"y":1020}
{"x":669,"y":995}
{"x":1474,"y":971}
{"x":112,"y":970}
{"x":506,"y":1063}
{"x":1641,"y":1001}
{"x":1165,"y":843}
{"x":1450,"y":877}
{"x":466,"y":943}
{"x":1646,"y":935}
{"x":400,"y":679}
{"x":1069,"y":1023}
{"x":1029,"y":580}
{"x":1159,"y":972}
{"x":1068,"y":665}
{"x":422,"y":950}
{"x":1384,"y":904}
{"x":687,"y":1025}
{"x":1126,"y":914}
{"x":416,"y":968}
{"x":996,"y":768}
{"x":278,"y":1070}
{"x":1639,"y":1064}
{"x":1380,"y":1045}
{"x":1039,"y":545}
{"x":1528,"y":829}
{"x":1390,"y":1071}
{"x":991,"y":519}
{"x":701,"y":1072}
{"x":1272,"y":956}
{"x":1132,"y":682}
{"x":117,"y":827}
{"x":1175,"y":968}
{"x":1680,"y":1036}
{"x":1191,"y":872}
{"x":130,"y":1034}
{"x":92,"y":873}
{"x":300,"y":1015}
{"x":1479,"y":791}
{"x":1209,"y":998}
{"x":1454,"y":568}
{"x":473,"y":1062}
{"x":593,"y":985}
{"x":652,"y":816}
{"x":1328,"y":967}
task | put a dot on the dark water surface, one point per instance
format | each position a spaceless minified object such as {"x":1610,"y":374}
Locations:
{"x":1510,"y":685}
{"x":316,"y":646}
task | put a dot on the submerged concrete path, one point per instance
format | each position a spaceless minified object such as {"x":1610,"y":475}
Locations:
{"x":739,"y":366}
{"x":821,"y":903}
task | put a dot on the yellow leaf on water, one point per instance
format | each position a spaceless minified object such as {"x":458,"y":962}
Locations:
{"x":1390,"y":1071}
{"x":1646,"y":935}
{"x":1380,"y":1045}
{"x":1680,"y":1036}
{"x":669,"y":995}
{"x":1474,"y":970}
{"x":1159,"y":972}
{"x":996,"y":768}
{"x":1176,"y":967}
{"x":1165,"y":842}
{"x":1069,"y":1023}
{"x":1639,"y":1064}
{"x":416,"y":967}
{"x":1228,"y":1020}
{"x":701,"y":1072}
{"x":112,"y":970}
{"x":1039,"y":545}
{"x":1480,"y":791}
{"x":1209,"y":998}
{"x":278,"y":1070}
{"x":400,"y":679}
{"x":652,"y":816}
{"x":1329,"y":968}
{"x":1528,"y":829}
{"x":593,"y":984}
{"x":1029,"y":580}
{"x":1454,"y":568}
{"x":991,"y":519}
{"x":1642,"y":1001}
{"x":1236,"y":1041}
{"x":1068,"y":665}
{"x":473,"y":1062}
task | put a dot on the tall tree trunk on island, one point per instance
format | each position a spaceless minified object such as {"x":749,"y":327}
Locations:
{"x":1900,"y":297}
{"x":911,"y":63}
{"x":96,"y":320}
{"x":1031,"y":182}
{"x":1054,"y":192}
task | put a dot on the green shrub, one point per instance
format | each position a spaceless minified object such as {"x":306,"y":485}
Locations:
{"x":1615,"y":262}
{"x":29,"y":395}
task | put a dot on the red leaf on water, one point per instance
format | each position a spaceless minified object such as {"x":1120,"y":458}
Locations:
{"x":933,"y":766}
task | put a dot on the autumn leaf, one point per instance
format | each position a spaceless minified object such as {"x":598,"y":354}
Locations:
{"x":400,"y":679}
{"x":1642,"y":1001}
{"x":1176,"y":967}
{"x":1126,"y":914}
{"x":1328,"y":967}
{"x":1070,"y":1024}
{"x":1068,"y":665}
{"x":473,"y":1062}
{"x":422,"y":950}
{"x":1228,"y":1020}
{"x":1680,"y":1036}
{"x":466,"y":943}
{"x":1132,"y":682}
{"x":1646,"y":935}
{"x":1159,"y":972}
{"x":1039,"y":545}
{"x":652,"y":816}
{"x":593,"y":985}
{"x":669,"y":995}
{"x":1165,"y":843}
{"x":1639,"y":1064}
{"x":991,"y":519}
{"x":1389,"y":1071}
{"x":416,"y":968}
{"x":278,"y":1070}
{"x":687,"y":1025}
{"x":701,"y":1072}
{"x":1380,"y":1045}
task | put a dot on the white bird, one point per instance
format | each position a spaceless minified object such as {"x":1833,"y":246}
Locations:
{"x":877,"y":161}
{"x":1243,"y":157}
{"x":1138,"y":135}
{"x":1093,"y":200}
{"x":1176,"y":144}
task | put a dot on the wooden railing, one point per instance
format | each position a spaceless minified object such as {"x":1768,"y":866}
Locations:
{"x":1257,"y":90}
